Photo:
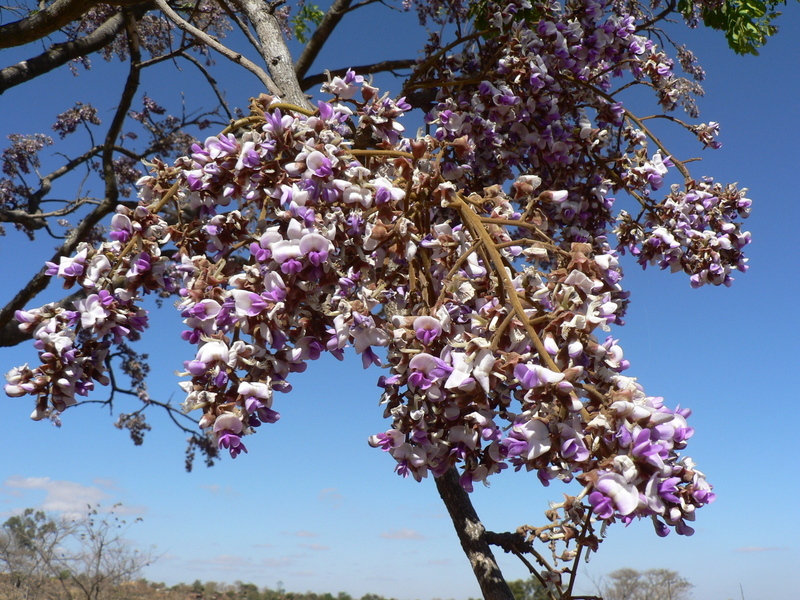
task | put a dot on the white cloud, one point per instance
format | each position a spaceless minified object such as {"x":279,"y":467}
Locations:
{"x":282,"y":561}
{"x":402,"y":534}
{"x":218,"y":490}
{"x":760,"y":549}
{"x":303,"y":534}
{"x":60,"y":496}
{"x":331,"y":496}
{"x":314,"y":546}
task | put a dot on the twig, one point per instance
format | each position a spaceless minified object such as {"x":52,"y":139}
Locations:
{"x":474,"y":224}
{"x":216,"y":45}
{"x":211,"y":81}
{"x":379,"y":67}
{"x":320,"y":37}
{"x":574,"y":571}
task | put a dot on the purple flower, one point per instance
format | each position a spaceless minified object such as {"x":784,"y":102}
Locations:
{"x":366,"y":334}
{"x":209,"y":353}
{"x":221,"y":146}
{"x":228,"y":428}
{"x":319,"y":164}
{"x":572,"y":446}
{"x":661,"y":528}
{"x":529,"y":438}
{"x":652,"y":452}
{"x":426,"y":370}
{"x":315,"y":247}
{"x":121,"y":228}
{"x":69,"y":266}
{"x":276,"y":123}
{"x":531,"y":376}
{"x":668,"y":489}
{"x":386,"y":441}
{"x":612,"y":491}
{"x":427,"y":329}
{"x":248,"y":304}
{"x":248,"y":157}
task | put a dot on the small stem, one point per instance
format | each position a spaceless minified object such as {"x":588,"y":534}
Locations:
{"x":574,"y":571}
{"x":213,"y":43}
{"x":368,"y":152}
{"x":475,"y":225}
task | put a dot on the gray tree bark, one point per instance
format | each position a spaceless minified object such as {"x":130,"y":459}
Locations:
{"x":274,"y":50}
{"x":470,"y":532}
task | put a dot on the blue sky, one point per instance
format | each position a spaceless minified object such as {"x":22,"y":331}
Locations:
{"x":313,"y":507}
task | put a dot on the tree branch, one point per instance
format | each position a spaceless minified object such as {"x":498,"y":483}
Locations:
{"x":128,"y":92}
{"x":241,"y":24}
{"x":470,"y":532}
{"x":274,"y":51}
{"x":42,"y":23}
{"x":60,"y":54}
{"x":211,"y":81}
{"x":320,"y":36}
{"x":38,"y":220}
{"x":380,"y":67}
{"x":39,"y":281}
{"x":216,"y":45}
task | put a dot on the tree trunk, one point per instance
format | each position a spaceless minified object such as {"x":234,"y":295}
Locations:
{"x":470,"y":532}
{"x":274,"y":50}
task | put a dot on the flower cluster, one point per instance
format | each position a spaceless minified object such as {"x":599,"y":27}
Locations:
{"x":692,"y":230}
{"x":473,"y":264}
{"x":74,"y":344}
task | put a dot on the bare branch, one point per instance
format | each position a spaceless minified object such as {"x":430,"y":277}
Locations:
{"x":320,"y":36}
{"x":216,"y":45}
{"x":380,"y":67}
{"x":43,"y":22}
{"x":211,"y":81}
{"x":242,"y":26}
{"x":60,"y":54}
{"x":131,"y":85}
{"x":38,"y":220}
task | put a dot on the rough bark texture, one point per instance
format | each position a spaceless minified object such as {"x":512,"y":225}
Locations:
{"x":44,"y":22}
{"x":470,"y":532}
{"x":274,"y":50}
{"x":60,"y":54}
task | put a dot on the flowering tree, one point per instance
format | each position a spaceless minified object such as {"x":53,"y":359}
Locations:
{"x":478,"y":262}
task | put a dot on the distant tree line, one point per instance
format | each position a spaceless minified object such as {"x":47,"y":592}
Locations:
{"x":87,"y":557}
{"x":82,"y":557}
{"x":211,"y":590}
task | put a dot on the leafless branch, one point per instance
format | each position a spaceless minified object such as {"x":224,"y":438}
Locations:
{"x":128,"y":92}
{"x":242,"y":26}
{"x":60,"y":54}
{"x":38,"y":220}
{"x":380,"y":67}
{"x":211,"y":81}
{"x":320,"y":36}
{"x":43,"y":22}
{"x":216,"y":45}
